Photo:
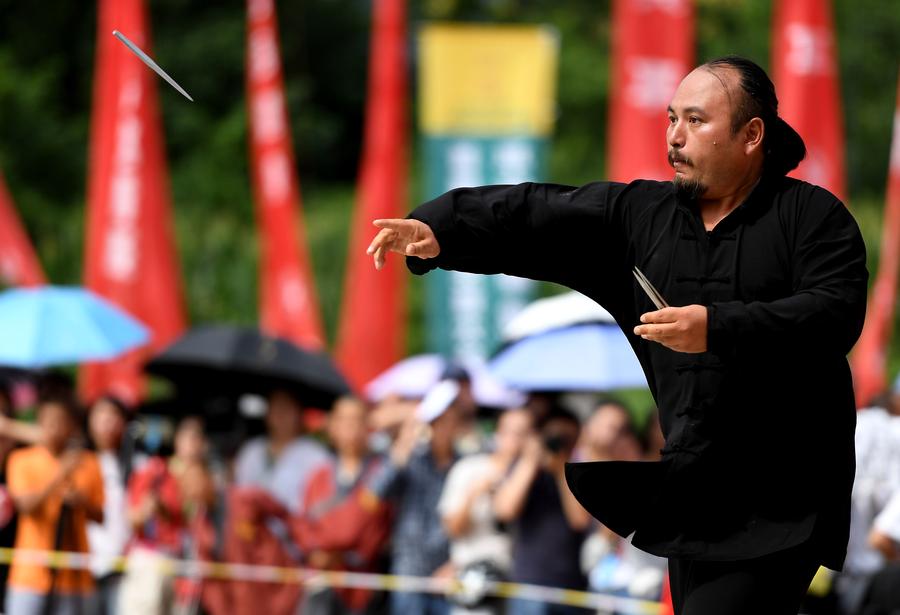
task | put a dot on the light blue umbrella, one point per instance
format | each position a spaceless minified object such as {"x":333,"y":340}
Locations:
{"x":53,"y":325}
{"x":592,"y":357}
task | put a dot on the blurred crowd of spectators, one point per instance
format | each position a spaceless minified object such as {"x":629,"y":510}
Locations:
{"x":432,"y":487}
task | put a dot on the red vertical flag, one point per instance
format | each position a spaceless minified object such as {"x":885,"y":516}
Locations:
{"x":130,"y":254}
{"x":870,"y":356}
{"x":652,"y":50}
{"x":806,"y":79}
{"x":289,"y":307}
{"x":372,"y":326}
{"x":19,"y":265}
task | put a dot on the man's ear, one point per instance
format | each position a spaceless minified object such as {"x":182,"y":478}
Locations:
{"x":754,"y":132}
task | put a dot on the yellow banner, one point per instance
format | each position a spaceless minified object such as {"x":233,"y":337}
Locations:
{"x":492,"y":80}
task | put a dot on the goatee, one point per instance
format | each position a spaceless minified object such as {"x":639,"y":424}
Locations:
{"x":688,"y":189}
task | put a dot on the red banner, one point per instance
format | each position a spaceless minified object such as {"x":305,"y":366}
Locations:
{"x":372,"y":325}
{"x":19,"y":265}
{"x":289,"y":307}
{"x":869,"y":358}
{"x":652,"y":51}
{"x":806,"y":79}
{"x":130,"y":254}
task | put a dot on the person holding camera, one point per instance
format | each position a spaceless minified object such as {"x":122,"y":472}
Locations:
{"x":480,"y":547}
{"x":544,"y":515}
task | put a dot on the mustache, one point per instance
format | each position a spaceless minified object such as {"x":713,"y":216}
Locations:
{"x":674,"y":157}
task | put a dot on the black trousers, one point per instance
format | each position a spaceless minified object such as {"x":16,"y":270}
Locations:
{"x":770,"y":585}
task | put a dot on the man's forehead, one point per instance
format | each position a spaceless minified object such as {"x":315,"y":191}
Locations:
{"x":704,"y":88}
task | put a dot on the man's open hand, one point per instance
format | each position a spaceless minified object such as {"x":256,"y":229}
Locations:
{"x":682,"y":329}
{"x":403,"y":236}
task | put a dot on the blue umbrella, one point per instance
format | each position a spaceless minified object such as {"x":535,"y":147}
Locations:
{"x":56,"y":325}
{"x":592,"y":357}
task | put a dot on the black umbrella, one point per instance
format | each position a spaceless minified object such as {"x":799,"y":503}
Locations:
{"x":224,"y":359}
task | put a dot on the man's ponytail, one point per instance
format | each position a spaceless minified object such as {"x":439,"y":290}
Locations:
{"x":784,"y":148}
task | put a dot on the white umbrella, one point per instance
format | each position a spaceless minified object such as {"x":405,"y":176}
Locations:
{"x":554,"y":312}
{"x":414,"y":376}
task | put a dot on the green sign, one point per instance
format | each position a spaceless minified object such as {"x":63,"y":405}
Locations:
{"x":467,"y":312}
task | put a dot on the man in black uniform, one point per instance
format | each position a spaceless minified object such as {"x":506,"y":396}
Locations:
{"x":749,"y":372}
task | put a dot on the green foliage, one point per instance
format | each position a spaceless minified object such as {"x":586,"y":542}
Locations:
{"x":46,"y":66}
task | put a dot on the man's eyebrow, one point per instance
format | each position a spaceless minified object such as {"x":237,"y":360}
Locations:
{"x":697,"y":110}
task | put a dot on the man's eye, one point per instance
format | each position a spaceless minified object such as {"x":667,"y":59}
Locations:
{"x":671,"y":119}
{"x":694,"y":120}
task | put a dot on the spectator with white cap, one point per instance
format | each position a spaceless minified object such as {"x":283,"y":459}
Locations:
{"x":413,"y":479}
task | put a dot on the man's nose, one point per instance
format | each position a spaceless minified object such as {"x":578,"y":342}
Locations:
{"x":675,"y":134}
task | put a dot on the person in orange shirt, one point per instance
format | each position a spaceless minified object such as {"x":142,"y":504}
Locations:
{"x":56,"y":487}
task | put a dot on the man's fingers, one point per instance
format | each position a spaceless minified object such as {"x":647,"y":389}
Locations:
{"x":400,"y":235}
{"x":664,"y":315}
{"x":656,"y":332}
{"x":394,"y":224}
{"x":380,"y":239}
{"x":419,"y":248}
{"x":650,"y":316}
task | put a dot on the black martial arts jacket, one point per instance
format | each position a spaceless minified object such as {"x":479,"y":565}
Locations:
{"x":759,"y":429}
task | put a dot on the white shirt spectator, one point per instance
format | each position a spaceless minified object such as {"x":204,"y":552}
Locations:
{"x":877,"y":481}
{"x":484,"y":541}
{"x":107,"y":540}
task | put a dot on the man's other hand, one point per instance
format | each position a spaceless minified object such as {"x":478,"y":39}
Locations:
{"x":682,"y":329}
{"x":403,"y":236}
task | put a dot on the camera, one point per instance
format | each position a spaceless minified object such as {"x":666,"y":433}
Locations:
{"x":555,"y":443}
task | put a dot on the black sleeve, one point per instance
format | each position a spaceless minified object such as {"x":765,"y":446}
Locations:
{"x":827,"y":308}
{"x":544,"y":232}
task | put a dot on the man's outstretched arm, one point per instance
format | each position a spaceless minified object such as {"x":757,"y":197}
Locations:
{"x":571,"y":236}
